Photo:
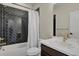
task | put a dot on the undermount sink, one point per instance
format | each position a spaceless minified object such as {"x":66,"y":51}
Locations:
{"x":67,"y":45}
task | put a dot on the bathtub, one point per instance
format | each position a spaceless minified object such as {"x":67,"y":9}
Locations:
{"x":69,"y":47}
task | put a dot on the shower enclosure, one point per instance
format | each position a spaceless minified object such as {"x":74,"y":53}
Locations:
{"x":13,"y":25}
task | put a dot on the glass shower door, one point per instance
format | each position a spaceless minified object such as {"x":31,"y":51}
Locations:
{"x":13,"y":25}
{"x":2,"y":34}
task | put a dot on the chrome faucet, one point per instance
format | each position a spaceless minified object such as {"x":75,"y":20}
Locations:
{"x":65,"y":36}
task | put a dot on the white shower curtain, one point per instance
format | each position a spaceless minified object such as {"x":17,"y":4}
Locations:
{"x":33,"y":29}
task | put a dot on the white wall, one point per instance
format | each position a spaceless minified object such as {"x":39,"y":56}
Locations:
{"x":46,"y":19}
{"x":62,"y":11}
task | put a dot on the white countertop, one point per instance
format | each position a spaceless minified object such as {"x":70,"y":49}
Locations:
{"x":70,"y":47}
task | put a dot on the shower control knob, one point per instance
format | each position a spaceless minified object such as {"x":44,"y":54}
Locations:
{"x":3,"y":49}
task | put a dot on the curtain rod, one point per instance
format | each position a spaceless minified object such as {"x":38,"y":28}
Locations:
{"x":23,"y":6}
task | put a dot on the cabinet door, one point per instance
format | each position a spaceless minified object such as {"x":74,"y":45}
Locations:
{"x":74,"y":24}
{"x":47,"y":51}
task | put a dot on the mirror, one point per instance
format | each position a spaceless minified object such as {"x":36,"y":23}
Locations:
{"x":62,"y":12}
{"x":67,"y":19}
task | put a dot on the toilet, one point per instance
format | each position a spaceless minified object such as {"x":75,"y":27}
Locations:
{"x":34,"y":51}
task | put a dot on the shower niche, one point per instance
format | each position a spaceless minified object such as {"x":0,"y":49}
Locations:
{"x":13,"y":25}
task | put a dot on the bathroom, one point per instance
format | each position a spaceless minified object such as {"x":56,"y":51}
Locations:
{"x":39,"y":29}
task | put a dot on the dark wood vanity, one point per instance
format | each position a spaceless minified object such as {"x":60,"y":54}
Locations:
{"x":47,"y":51}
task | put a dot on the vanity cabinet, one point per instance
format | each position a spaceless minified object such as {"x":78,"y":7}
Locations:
{"x":47,"y":51}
